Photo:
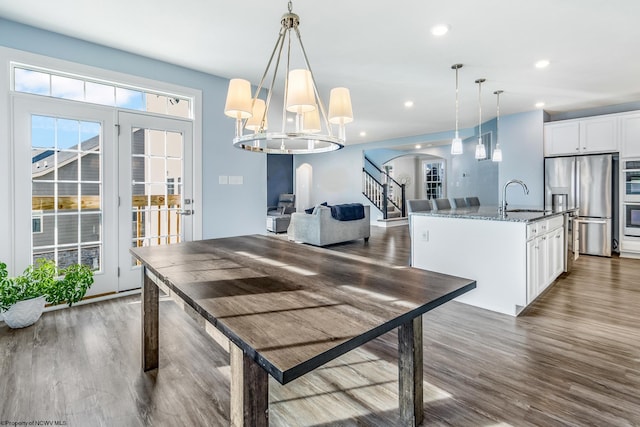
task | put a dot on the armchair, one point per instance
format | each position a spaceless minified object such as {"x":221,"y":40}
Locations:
{"x":278,"y":217}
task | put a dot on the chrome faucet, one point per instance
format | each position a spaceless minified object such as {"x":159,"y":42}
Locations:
{"x":503,"y":208}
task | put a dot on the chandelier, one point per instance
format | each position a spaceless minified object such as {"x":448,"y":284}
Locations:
{"x":306,"y":133}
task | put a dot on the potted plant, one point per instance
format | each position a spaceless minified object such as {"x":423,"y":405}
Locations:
{"x":22,"y":298}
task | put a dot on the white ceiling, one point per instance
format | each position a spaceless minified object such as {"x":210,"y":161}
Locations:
{"x":384,"y":52}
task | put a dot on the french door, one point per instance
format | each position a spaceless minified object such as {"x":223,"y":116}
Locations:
{"x":64,"y":187}
{"x":85,"y":193}
{"x":155,"y":186}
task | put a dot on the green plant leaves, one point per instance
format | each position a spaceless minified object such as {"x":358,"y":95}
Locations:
{"x":68,"y":285}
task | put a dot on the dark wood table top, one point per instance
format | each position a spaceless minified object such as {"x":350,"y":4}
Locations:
{"x":292,"y":307}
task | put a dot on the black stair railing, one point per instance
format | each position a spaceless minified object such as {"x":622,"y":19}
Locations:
{"x":382,"y":190}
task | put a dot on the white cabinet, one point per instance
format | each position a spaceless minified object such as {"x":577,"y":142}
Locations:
{"x":630,"y":135}
{"x":561,"y":138}
{"x":583,"y":136}
{"x":545,"y":254}
{"x":599,"y":134}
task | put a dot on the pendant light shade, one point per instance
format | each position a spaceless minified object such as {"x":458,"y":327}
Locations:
{"x":497,"y":152}
{"x":481,"y":151}
{"x":456,"y":143}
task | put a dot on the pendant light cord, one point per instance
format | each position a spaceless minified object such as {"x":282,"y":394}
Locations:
{"x":498,"y":119}
{"x":480,"y":109}
{"x":457,"y":101}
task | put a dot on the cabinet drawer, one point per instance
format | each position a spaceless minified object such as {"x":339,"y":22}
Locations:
{"x":534,"y":229}
{"x":555,"y":222}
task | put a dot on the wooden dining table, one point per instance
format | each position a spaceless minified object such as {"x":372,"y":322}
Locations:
{"x":287,"y":309}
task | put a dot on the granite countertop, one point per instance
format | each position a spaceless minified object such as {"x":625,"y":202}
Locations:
{"x":490,"y":213}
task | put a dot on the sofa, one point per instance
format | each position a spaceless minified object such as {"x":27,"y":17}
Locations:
{"x":319,"y":228}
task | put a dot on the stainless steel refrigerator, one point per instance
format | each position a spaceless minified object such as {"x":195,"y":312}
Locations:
{"x":585,"y":182}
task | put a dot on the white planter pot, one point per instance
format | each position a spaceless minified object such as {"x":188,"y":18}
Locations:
{"x":24,"y":313}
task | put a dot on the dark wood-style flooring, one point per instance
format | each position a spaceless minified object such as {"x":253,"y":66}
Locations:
{"x":572,"y":360}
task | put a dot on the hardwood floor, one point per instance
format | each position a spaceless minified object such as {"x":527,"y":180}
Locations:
{"x":572,"y":360}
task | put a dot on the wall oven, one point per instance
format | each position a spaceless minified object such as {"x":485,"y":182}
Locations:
{"x":631,"y":173}
{"x":632,"y":219}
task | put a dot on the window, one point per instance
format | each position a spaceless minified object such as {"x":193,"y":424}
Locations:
{"x":42,"y":82}
{"x":36,"y":222}
{"x":433,"y":173}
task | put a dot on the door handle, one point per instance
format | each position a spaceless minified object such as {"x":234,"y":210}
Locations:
{"x":582,"y":221}
{"x":185,"y":212}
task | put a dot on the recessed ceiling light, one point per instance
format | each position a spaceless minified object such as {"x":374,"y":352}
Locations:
{"x":363,"y":133}
{"x":440,"y":30}
{"x":543,"y":63}
{"x":539,"y":104}
{"x":418,"y":146}
{"x":289,"y":119}
{"x":408,"y":104}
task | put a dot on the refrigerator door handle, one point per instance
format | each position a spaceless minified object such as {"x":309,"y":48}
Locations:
{"x":592,"y":221}
{"x":577,"y":190}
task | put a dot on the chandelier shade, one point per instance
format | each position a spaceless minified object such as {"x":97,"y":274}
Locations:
{"x":311,"y":129}
{"x":255,"y":122}
{"x":300,"y":96}
{"x":238,"y":104}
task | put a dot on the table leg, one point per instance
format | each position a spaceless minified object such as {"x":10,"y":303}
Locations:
{"x":410,"y":372}
{"x":249,"y":391}
{"x":150,"y":306}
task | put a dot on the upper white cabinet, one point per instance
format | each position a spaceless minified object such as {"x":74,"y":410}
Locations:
{"x":583,"y":136}
{"x":599,"y":135}
{"x":561,"y":138}
{"x":630,"y":135}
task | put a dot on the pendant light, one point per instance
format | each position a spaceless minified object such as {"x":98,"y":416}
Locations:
{"x":497,"y":152}
{"x":481,"y":151}
{"x":456,"y":143}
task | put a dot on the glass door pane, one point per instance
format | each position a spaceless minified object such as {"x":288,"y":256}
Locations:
{"x":155,"y":187}
{"x":66,"y":191}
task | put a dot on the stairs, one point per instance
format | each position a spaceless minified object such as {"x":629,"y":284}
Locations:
{"x":384,"y":192}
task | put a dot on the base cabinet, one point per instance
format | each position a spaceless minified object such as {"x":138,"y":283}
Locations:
{"x":545,"y":256}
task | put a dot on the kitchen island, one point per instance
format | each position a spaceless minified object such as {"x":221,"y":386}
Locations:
{"x":513,"y":257}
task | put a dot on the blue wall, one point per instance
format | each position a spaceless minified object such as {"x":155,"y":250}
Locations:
{"x":227,"y":209}
{"x":279,"y":176}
